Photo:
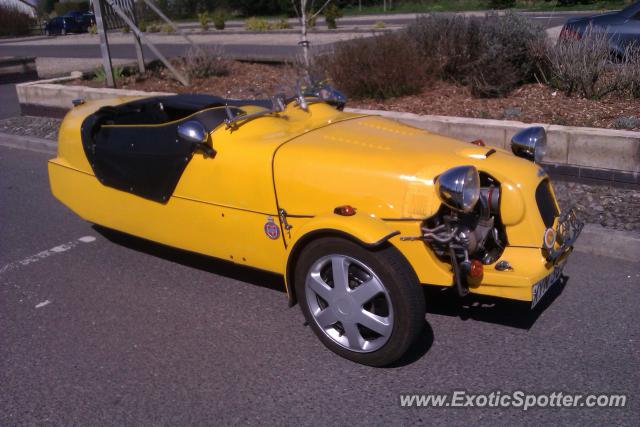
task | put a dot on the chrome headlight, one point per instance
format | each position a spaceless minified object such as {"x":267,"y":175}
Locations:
{"x":530,"y":143}
{"x":459,"y":188}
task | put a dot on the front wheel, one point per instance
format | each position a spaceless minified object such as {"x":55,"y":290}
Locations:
{"x":365,"y":305}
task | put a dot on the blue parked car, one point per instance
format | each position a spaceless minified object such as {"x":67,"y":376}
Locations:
{"x":84,"y":19}
{"x":623,"y":26}
{"x":62,"y":25}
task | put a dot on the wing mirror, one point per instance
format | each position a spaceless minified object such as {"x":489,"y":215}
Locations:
{"x":193,"y":131}
{"x":530,"y":143}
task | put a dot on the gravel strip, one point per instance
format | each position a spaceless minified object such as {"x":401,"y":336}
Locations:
{"x":615,"y":208}
{"x":38,"y":127}
{"x":610,"y":207}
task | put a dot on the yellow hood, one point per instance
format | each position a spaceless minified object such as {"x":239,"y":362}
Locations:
{"x":381,"y":167}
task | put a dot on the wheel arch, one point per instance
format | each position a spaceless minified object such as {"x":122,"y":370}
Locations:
{"x":375,"y":235}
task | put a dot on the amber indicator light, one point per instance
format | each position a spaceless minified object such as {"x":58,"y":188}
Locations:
{"x":345,"y":210}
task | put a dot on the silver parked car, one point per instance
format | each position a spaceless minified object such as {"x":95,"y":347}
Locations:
{"x":623,"y":26}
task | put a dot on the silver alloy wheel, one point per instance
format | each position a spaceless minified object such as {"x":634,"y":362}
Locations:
{"x":349,"y":303}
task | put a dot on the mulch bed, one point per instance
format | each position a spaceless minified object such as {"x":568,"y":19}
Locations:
{"x":532,"y":103}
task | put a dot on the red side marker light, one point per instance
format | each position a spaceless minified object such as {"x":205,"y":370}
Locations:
{"x":479,"y":143}
{"x":345,"y":210}
{"x":476,"y":269}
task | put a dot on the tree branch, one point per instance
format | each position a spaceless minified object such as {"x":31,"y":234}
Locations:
{"x":295,"y":8}
{"x":321,"y":9}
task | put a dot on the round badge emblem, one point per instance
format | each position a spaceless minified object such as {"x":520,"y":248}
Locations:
{"x":271,"y":229}
{"x":549,"y":238}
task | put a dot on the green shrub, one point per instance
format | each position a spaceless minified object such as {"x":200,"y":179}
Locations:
{"x":125,"y":29}
{"x":219,"y":19}
{"x":502,"y":4}
{"x":280,"y":24}
{"x":331,"y":15}
{"x":203,"y":20}
{"x":153,"y":28}
{"x":381,"y":66}
{"x":379,"y":25}
{"x":166,"y":28}
{"x":142,"y":25}
{"x":93,"y":30}
{"x":13,"y":22}
{"x":492,"y":55}
{"x":256,"y":24}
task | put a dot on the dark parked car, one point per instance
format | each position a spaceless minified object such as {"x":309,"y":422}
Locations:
{"x":623,"y":26}
{"x":84,"y":19}
{"x":62,"y":25}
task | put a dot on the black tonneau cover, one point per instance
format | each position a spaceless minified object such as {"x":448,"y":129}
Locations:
{"x":134,"y":147}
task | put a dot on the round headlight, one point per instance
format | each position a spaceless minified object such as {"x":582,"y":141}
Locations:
{"x":530,"y":143}
{"x":459,"y":188}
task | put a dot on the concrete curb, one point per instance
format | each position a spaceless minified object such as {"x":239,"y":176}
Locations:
{"x":597,"y":240}
{"x":594,"y":239}
{"x":30,"y":143}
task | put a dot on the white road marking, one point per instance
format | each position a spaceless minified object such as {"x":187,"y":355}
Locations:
{"x":45,"y":254}
{"x":43,"y":303}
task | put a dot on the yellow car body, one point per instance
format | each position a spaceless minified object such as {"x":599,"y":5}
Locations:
{"x":293,"y":169}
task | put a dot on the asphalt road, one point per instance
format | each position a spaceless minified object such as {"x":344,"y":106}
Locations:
{"x":121,"y":331}
{"x":41,"y":49}
{"x":9,"y":106}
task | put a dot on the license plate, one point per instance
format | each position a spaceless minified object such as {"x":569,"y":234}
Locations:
{"x":541,"y":288}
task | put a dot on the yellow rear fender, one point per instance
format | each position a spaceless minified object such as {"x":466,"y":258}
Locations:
{"x":363,"y":229}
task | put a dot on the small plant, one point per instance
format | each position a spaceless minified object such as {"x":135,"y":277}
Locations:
{"x":125,"y":29}
{"x":153,"y":28}
{"x":256,"y":24}
{"x":219,"y":19}
{"x":311,"y":22}
{"x":206,"y":61}
{"x":280,"y":24}
{"x":331,"y":15}
{"x":587,"y":68}
{"x":142,"y":26}
{"x":379,"y":25}
{"x":626,"y":122}
{"x":512,"y":113}
{"x":166,"y":28}
{"x":100,"y":76}
{"x":93,"y":29}
{"x":203,"y":20}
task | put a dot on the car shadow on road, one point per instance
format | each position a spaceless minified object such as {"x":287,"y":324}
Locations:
{"x":217,"y":266}
{"x":418,"y":349}
{"x":515,"y":314}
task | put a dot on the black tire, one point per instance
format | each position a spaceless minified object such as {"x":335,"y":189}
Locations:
{"x":403,"y":291}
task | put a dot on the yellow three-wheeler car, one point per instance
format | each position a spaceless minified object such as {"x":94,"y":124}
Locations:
{"x":355,"y":211}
